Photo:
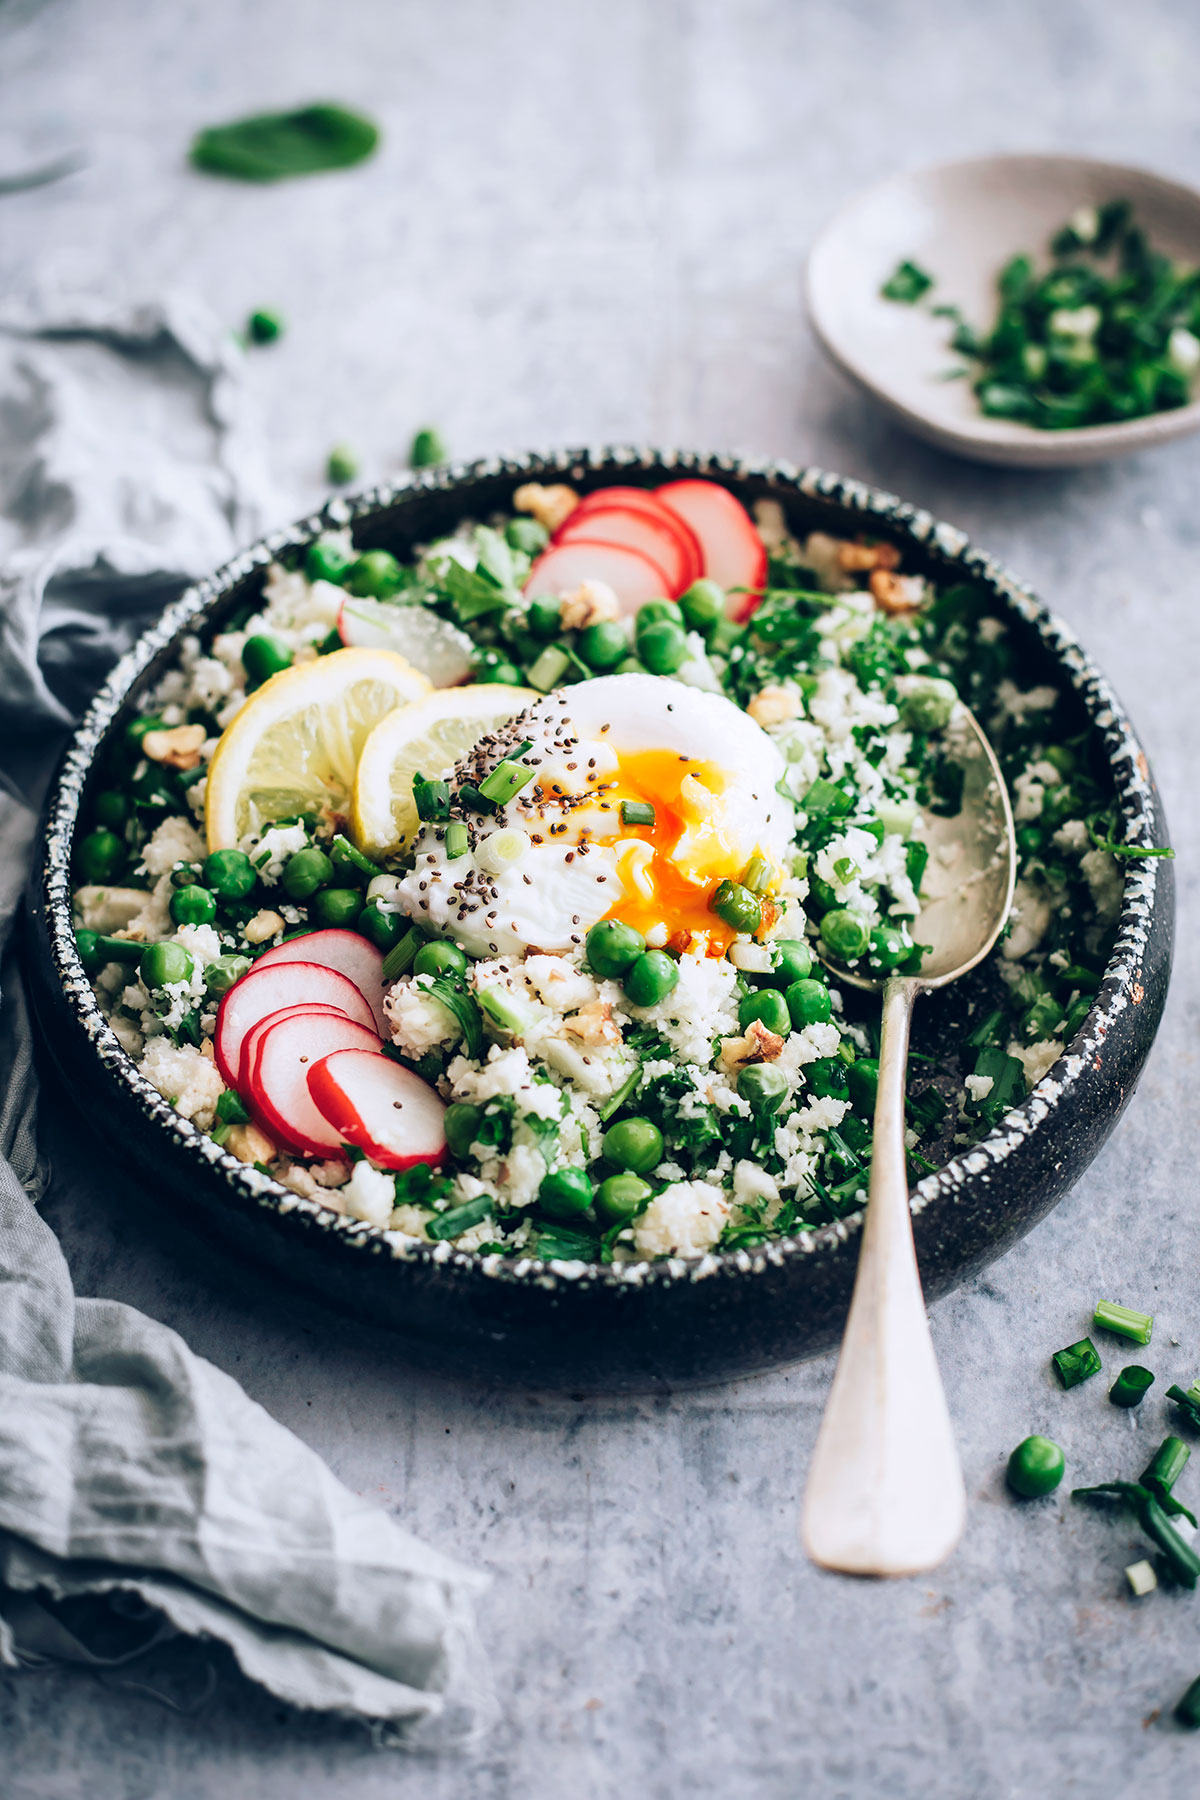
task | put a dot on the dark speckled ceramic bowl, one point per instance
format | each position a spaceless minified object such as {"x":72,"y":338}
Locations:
{"x":637,"y":1325}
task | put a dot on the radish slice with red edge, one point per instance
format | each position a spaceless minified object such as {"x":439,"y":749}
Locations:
{"x":633,"y":578}
{"x":656,"y":538}
{"x":346,"y":951}
{"x":442,"y":653}
{"x":267,"y":990}
{"x":733,"y":551}
{"x":641,"y":500}
{"x":386,"y":1111}
{"x":253,"y":1037}
{"x":277,"y":1078}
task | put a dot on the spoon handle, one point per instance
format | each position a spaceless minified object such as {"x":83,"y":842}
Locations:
{"x":885,"y":1491}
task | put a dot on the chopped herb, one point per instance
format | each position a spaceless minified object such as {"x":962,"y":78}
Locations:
{"x":505,"y":781}
{"x":460,"y":1218}
{"x":1124,"y":1321}
{"x":399,"y":959}
{"x":1188,"y":1403}
{"x":907,"y":282}
{"x":432,"y":798}
{"x":276,"y":146}
{"x":1078,"y":1362}
{"x":264,"y":327}
{"x":464,"y":1011}
{"x":230,"y":1109}
{"x":458,"y":840}
{"x":637,"y":812}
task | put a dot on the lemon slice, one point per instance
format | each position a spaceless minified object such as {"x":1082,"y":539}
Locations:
{"x":294,"y":746}
{"x":428,"y":738}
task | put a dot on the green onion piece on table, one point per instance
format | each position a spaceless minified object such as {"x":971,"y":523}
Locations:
{"x":276,"y":146}
{"x":427,"y":449}
{"x":1141,"y":1578}
{"x":1124,"y":1320}
{"x":907,"y":283}
{"x":1165,"y":1467}
{"x":1188,"y":1403}
{"x":1078,"y":1362}
{"x":1187,"y":1710}
{"x":1131,"y":1386}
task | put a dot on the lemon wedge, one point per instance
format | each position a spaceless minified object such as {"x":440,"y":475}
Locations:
{"x":295,"y":744}
{"x":428,"y":738}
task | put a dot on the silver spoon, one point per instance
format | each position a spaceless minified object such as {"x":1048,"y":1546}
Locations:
{"x":885,"y":1492}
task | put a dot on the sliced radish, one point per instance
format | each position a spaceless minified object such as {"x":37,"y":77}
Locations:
{"x":430,"y":643}
{"x":254,"y":1036}
{"x":733,"y":551}
{"x":278,"y":1077}
{"x":632,"y":577}
{"x":389,"y":1113}
{"x":351,"y":955}
{"x":268,"y":990}
{"x":656,"y":538}
{"x":640,"y":500}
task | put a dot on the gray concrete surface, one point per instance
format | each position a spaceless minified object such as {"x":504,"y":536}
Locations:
{"x":589,"y":222}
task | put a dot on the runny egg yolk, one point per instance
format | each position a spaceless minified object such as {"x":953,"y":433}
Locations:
{"x":669,"y":870}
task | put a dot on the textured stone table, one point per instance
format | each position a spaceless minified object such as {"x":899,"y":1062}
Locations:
{"x":589,"y":223}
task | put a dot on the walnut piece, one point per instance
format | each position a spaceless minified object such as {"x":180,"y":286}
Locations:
{"x":262,"y":926}
{"x":179,"y":747}
{"x":550,"y":506}
{"x":774,"y":706}
{"x":249,"y":1144}
{"x":591,"y":603}
{"x":856,"y":559}
{"x":593,"y":1024}
{"x":759,"y":1045}
{"x":896,"y":593}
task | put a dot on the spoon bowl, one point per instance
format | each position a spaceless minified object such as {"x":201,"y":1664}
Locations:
{"x":885,"y":1493}
{"x":961,"y":222}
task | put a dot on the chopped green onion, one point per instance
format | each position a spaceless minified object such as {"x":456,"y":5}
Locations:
{"x":230,"y":1109}
{"x":432,"y":798}
{"x":115,"y":949}
{"x":1165,"y":1467}
{"x":1188,"y":1404}
{"x":505,"y":781}
{"x":758,"y":873}
{"x":1187,"y":1710}
{"x":343,"y":850}
{"x":1078,"y":1362}
{"x":637,"y":812}
{"x":399,"y":958}
{"x":1181,"y":1559}
{"x":470,"y":796}
{"x":1127,"y":1323}
{"x":463,"y":1010}
{"x":988,"y":1031}
{"x":823,"y":798}
{"x":907,"y":282}
{"x":625,"y":1092}
{"x":1131,"y":1386}
{"x":548,"y":669}
{"x":460,"y":1218}
{"x":458,"y":840}
{"x":1141,"y":1577}
{"x":501,"y":1011}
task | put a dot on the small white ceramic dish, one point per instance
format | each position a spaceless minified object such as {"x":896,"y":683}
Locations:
{"x":961,"y":222}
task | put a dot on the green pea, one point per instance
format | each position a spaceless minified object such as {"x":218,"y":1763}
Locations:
{"x":544,"y":615}
{"x":654,"y":612}
{"x":327,"y":559}
{"x":505,"y":673}
{"x":341,"y":465}
{"x":651,"y":978}
{"x":809,"y":1003}
{"x":305,"y":872}
{"x":763,"y":1086}
{"x":264,"y":327}
{"x":136,"y":730}
{"x":264,"y":656}
{"x":565,"y":1193}
{"x":86,"y":943}
{"x":1030,"y":839}
{"x":427,"y":449}
{"x":612,"y":947}
{"x":383,"y":928}
{"x":602,"y":646}
{"x":376,"y":575}
{"x":530,"y":537}
{"x":845,"y":933}
{"x":112,"y":809}
{"x":822,"y":898}
{"x":889,"y":946}
{"x":222,"y":974}
{"x":630,"y":665}
{"x":335,"y":908}
{"x":193,"y":906}
{"x":635,"y":1145}
{"x":928,"y":704}
{"x":439,"y":959}
{"x":862,"y":1080}
{"x":1035,"y":1467}
{"x":792,"y":961}
{"x":100,"y":855}
{"x":621,"y":1198}
{"x":461,"y":1126}
{"x":737,"y":906}
{"x":662,"y":647}
{"x":827,"y":1077}
{"x":164,"y":964}
{"x":702,"y":605}
{"x":767,"y":1005}
{"x":229,"y":873}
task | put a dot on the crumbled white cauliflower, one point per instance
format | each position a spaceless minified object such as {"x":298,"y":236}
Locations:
{"x":1030,"y":918}
{"x":370,"y":1195}
{"x":410,"y":1221}
{"x":419,"y":1021}
{"x":271,"y":851}
{"x":1103,"y":874}
{"x":702,"y":1006}
{"x":1035,"y":1059}
{"x":980,"y":1086}
{"x":187,"y":1078}
{"x":174,"y":841}
{"x":686,"y":1219}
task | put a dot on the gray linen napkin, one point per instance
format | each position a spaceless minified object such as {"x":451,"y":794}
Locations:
{"x":131,"y":1469}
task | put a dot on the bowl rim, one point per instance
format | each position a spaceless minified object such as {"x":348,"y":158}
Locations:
{"x":884,"y":511}
{"x":1005,"y":439}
